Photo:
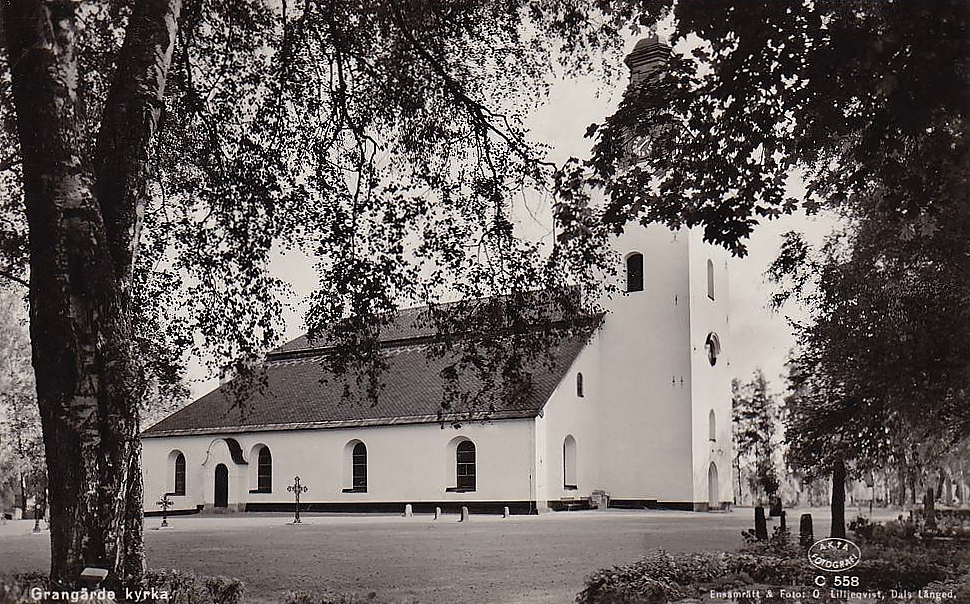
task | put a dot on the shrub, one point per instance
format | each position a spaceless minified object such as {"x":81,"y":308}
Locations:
{"x":661,"y":577}
{"x":328,"y":597}
{"x":898,"y":533}
{"x":185,"y":587}
{"x":911,"y":574}
{"x":182,"y":588}
{"x":16,"y":588}
{"x":654,"y":579}
{"x":770,"y":569}
{"x":305,"y":597}
{"x":778,"y":544}
{"x":960,"y":587}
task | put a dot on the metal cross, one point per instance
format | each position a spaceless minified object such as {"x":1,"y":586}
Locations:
{"x":165,"y":503}
{"x":296,"y":488}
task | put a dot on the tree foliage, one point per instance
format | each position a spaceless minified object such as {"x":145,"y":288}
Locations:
{"x":754,"y":412}
{"x":867,"y":101}
{"x":164,"y":152}
{"x":22,"y":467}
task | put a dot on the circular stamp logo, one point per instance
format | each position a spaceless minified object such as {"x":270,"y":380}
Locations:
{"x":834,"y":554}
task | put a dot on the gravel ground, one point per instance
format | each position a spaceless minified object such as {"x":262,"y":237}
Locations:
{"x":523,"y":559}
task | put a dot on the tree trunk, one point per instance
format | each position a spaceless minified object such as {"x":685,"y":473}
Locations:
{"x":737,"y":465}
{"x":838,"y":499}
{"x":23,"y":489}
{"x":901,"y":477}
{"x":89,"y":382}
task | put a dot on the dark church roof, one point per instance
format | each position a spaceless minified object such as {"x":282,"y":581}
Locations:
{"x":295,"y":397}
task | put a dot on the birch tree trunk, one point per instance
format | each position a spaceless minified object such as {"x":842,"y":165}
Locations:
{"x":83,"y":217}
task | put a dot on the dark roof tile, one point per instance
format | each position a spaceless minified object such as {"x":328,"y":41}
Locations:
{"x":295,"y":396}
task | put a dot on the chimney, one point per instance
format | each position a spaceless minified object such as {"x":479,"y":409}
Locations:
{"x":647,"y":58}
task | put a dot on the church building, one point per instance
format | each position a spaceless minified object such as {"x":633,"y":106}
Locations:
{"x":637,"y":412}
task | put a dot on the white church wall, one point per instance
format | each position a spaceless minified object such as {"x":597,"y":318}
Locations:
{"x":710,"y":386}
{"x":568,"y":414}
{"x":405,"y":463}
{"x":644,"y":384}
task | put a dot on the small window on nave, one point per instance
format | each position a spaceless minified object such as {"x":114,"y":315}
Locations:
{"x":634,"y":272}
{"x":579,"y":385}
{"x":465,"y":466}
{"x":264,"y":471}
{"x":179,"y":474}
{"x":711,"y":427}
{"x":359,"y":461}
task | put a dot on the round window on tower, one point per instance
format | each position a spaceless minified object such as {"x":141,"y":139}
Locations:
{"x":713,"y":347}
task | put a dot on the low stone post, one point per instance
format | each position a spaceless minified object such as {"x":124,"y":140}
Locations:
{"x":407,"y":511}
{"x":505,"y":512}
{"x":760,"y":524}
{"x":464,"y":514}
{"x":437,"y":513}
{"x":806,"y":533}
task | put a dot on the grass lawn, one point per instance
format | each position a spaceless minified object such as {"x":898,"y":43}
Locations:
{"x":523,"y":559}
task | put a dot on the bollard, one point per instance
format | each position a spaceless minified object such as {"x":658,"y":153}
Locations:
{"x":806,"y":534}
{"x":464,"y":514}
{"x":760,"y":524}
{"x":505,"y":512}
{"x":437,"y":513}
{"x":407,"y":511}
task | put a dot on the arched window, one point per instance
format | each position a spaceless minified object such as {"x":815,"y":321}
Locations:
{"x":710,"y":279}
{"x":264,"y":471}
{"x":634,"y":272}
{"x":465,"y":457}
{"x":569,"y":463}
{"x":359,"y":468}
{"x":179,"y":474}
{"x":711,"y":427}
{"x":579,"y":384}
{"x":713,"y":347}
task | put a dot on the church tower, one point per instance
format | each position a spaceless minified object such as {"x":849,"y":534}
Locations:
{"x":665,"y":432}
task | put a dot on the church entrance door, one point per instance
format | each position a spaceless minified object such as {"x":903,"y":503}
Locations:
{"x":712,"y":488}
{"x":222,"y":486}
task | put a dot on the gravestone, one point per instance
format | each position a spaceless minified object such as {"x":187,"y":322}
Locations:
{"x":760,"y":524}
{"x":464,"y":514}
{"x":437,"y":513}
{"x":505,"y":512}
{"x":783,"y":523}
{"x":164,"y":503}
{"x":407,"y":511}
{"x":806,"y":534}
{"x":774,"y":508}
{"x":297,"y":489}
{"x":929,"y":509}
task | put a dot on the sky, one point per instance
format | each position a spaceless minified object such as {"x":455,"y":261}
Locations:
{"x":760,"y":338}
